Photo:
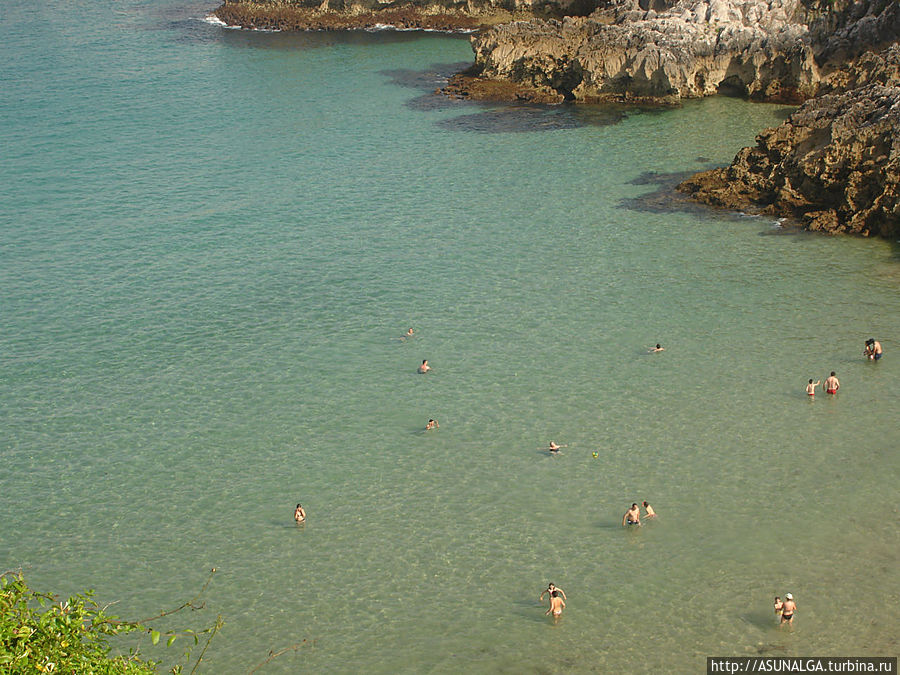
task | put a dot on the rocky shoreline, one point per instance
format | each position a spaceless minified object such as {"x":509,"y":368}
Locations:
{"x":298,"y":17}
{"x":833,"y":166}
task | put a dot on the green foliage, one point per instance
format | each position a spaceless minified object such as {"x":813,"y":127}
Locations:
{"x":39,"y":634}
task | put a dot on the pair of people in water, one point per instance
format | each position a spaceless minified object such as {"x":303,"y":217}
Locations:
{"x":873,"y":350}
{"x":832,"y":384}
{"x":633,"y":515}
{"x":786,"y":608}
{"x":557,"y":600}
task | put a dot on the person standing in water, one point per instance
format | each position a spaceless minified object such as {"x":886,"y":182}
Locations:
{"x":432,"y":424}
{"x":649,"y":509}
{"x":551,"y":589}
{"x":832,"y":384}
{"x":788,"y":608}
{"x":811,"y":387}
{"x":632,"y":516}
{"x":299,"y":514}
{"x":557,"y":605}
{"x":424,"y":368}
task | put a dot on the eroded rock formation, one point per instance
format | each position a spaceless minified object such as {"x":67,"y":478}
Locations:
{"x":834,"y":165}
{"x":774,"y":50}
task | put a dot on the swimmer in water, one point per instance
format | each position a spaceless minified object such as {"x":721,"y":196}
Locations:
{"x":424,"y":368}
{"x":832,"y":384}
{"x":299,"y":514}
{"x":632,"y":516}
{"x":655,"y":349}
{"x":649,"y":509}
{"x":432,"y":424}
{"x":554,"y":448}
{"x":811,"y":387}
{"x":779,"y":605}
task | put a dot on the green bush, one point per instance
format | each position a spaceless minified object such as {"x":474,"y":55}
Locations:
{"x":40,"y":634}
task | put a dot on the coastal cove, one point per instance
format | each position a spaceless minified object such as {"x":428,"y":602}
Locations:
{"x":213,"y":242}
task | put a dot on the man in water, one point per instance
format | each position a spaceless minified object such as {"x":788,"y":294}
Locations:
{"x":632,"y":516}
{"x":873,"y":349}
{"x":788,"y":608}
{"x":551,"y":589}
{"x":832,"y":384}
{"x":649,"y":509}
{"x":557,"y":605}
{"x":432,"y":424}
{"x":424,"y":368}
{"x":299,"y":514}
{"x":811,"y":387}
{"x":657,"y":348}
{"x":554,"y":448}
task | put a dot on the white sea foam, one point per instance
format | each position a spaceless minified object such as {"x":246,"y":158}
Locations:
{"x":387,"y":26}
{"x":212,"y":19}
{"x":215,"y":21}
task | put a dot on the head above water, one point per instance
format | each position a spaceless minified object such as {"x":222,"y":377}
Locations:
{"x":832,"y":373}
{"x":634,"y":506}
{"x":646,"y":504}
{"x":810,"y":380}
{"x":788,"y":596}
{"x":657,"y":346}
{"x":870,"y":341}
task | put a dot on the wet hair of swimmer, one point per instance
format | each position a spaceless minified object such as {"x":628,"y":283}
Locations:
{"x":298,"y":506}
{"x":832,"y":373}
{"x":633,"y":505}
{"x":810,"y":380}
{"x":870,"y":341}
{"x":657,"y":345}
{"x":554,"y":594}
{"x":646,"y":504}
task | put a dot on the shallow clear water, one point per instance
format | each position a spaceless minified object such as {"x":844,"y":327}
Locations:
{"x":210,"y":243}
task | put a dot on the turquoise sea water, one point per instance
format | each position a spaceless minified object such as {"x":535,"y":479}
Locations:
{"x":210,"y":243}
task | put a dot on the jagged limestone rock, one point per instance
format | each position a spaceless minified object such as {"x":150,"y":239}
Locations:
{"x":834,"y":165}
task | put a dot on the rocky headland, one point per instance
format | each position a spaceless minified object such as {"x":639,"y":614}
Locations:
{"x":832,"y":166}
{"x":439,"y":15}
{"x":666,"y":50}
